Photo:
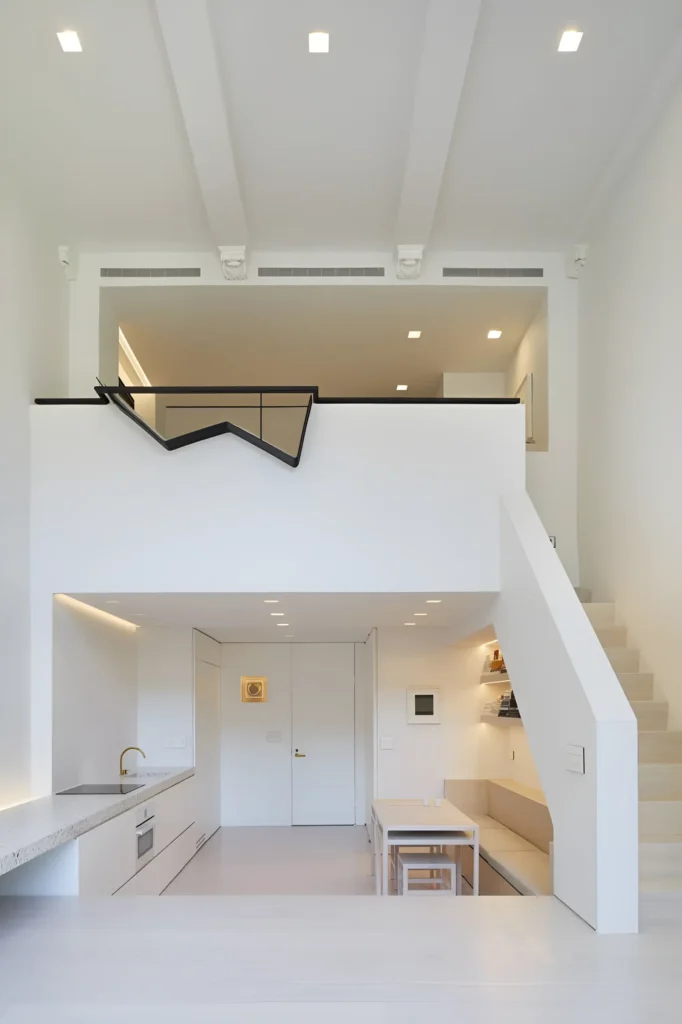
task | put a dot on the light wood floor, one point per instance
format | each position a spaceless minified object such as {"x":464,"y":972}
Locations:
{"x":332,"y":959}
{"x":329,"y":861}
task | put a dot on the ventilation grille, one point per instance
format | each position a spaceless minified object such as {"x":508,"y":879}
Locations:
{"x":493,"y":272}
{"x":150,"y":272}
{"x":321,"y":271}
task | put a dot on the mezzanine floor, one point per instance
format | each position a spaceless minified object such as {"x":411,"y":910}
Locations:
{"x":328,"y":959}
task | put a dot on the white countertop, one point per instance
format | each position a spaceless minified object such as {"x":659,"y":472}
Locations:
{"x":34,"y":827}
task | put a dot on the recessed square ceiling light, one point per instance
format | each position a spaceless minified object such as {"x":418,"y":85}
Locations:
{"x":417,"y":614}
{"x":282,"y":623}
{"x":401,"y":387}
{"x":494,"y":334}
{"x":69,"y":41}
{"x":570,"y":41}
{"x":410,"y":623}
{"x":414,"y":334}
{"x":278,"y":614}
{"x":318,"y":42}
{"x":271,"y":600}
{"x":434,"y":600}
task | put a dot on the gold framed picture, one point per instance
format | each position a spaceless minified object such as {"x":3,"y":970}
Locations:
{"x":254,"y":689}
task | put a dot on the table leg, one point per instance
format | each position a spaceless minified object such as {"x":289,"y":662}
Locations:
{"x":376,"y":857}
{"x":476,"y":855}
{"x":384,"y":864}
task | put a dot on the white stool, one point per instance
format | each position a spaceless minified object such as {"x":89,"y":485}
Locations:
{"x":433,"y":885}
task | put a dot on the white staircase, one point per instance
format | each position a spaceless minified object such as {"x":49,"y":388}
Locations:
{"x":660,"y":756}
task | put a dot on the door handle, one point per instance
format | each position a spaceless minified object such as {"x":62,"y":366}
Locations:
{"x":298,"y":755}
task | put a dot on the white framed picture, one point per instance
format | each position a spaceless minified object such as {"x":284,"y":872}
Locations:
{"x":423,"y":705}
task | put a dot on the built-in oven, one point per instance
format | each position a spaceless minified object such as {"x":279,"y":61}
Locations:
{"x":144,"y":833}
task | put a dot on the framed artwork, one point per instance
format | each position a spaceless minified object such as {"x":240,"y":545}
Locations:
{"x":254,"y":689}
{"x":525,"y":394}
{"x":423,"y":705}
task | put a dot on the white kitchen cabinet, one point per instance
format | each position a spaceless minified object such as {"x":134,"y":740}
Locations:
{"x":160,"y":872}
{"x":207,"y":737}
{"x":107,"y":855}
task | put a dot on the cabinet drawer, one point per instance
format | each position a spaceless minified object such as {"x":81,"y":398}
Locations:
{"x":174,"y":811}
{"x":153,"y":879}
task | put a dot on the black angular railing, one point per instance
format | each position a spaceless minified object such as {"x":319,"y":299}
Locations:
{"x":124,"y":398}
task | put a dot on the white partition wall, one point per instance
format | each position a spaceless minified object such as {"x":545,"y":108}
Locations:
{"x":386,"y":498}
{"x":580,"y":727}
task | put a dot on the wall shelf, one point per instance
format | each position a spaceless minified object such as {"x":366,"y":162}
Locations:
{"x":494,"y":677}
{"x":500,"y":720}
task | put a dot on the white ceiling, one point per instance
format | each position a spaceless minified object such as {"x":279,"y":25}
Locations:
{"x":348,"y":341}
{"x":183,"y":123}
{"x":311,"y":617}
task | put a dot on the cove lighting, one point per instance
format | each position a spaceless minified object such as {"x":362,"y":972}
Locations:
{"x":494,"y":334}
{"x":69,"y":41}
{"x":414,"y":334}
{"x":318,"y":42}
{"x":401,"y":387}
{"x":570,"y":41}
{"x":97,"y":613}
{"x":434,"y":600}
{"x":133,"y":360}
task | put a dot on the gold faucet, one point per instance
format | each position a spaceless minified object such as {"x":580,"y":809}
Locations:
{"x":124,"y":771}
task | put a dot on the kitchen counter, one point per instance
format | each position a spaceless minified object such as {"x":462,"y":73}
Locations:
{"x":37,"y":826}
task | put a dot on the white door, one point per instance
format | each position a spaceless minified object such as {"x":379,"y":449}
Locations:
{"x":323,"y":734}
{"x":207,"y":747}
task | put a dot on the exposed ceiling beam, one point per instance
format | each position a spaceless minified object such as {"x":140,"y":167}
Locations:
{"x":448,"y":39}
{"x":188,"y":38}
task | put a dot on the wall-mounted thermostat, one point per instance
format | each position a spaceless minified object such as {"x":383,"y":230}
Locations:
{"x":423,"y":705}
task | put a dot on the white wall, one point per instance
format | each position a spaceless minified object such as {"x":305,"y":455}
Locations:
{"x":568,"y":694}
{"x":474,"y":385}
{"x":33,"y":329}
{"x":95,"y":695}
{"x":531,"y":357}
{"x":165,"y":717}
{"x":222,"y":516}
{"x":630,"y":413}
{"x":423,"y":756}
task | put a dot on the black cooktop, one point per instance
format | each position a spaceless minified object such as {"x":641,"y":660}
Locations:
{"x":93,"y":789}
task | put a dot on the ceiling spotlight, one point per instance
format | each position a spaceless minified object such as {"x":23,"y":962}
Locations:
{"x":69,"y":41}
{"x":417,"y":614}
{"x":414,"y":334}
{"x":434,"y":600}
{"x":410,"y":623}
{"x":282,"y":623}
{"x":494,"y":334}
{"x":277,"y":614}
{"x":318,"y":42}
{"x":570,"y":41}
{"x":112,"y":602}
{"x":401,"y":387}
{"x":271,"y":600}
{"x":288,"y":636}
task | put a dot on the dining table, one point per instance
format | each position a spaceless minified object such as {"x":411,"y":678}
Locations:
{"x":436,"y":823}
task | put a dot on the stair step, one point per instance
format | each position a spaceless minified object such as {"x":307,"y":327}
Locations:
{"x":660,"y":782}
{"x":601,"y":613}
{"x":660,"y":818}
{"x":660,"y":747}
{"x":660,"y":864}
{"x":584,"y":594}
{"x":623,"y":659}
{"x":637,"y":685}
{"x":612,"y":636}
{"x":651,"y":714}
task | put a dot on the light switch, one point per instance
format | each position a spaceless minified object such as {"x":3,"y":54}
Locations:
{"x":273,"y":737}
{"x":574,"y":758}
{"x":176,"y":742}
{"x":386,"y":743}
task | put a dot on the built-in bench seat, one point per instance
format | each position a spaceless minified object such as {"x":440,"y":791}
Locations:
{"x":515,"y":835}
